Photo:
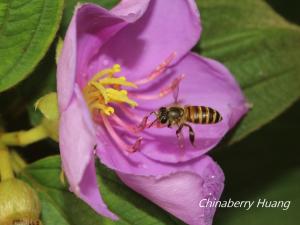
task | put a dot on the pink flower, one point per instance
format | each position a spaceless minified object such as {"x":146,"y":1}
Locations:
{"x":118,"y":66}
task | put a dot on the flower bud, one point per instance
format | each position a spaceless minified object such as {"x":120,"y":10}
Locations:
{"x":51,"y":127}
{"x":49,"y":108}
{"x":19,"y":203}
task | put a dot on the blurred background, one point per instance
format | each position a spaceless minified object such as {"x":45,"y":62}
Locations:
{"x":267,"y":163}
{"x":264,"y":165}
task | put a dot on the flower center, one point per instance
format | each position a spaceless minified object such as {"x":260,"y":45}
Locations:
{"x":104,"y":88}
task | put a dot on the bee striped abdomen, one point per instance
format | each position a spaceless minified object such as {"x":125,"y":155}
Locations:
{"x":202,"y":115}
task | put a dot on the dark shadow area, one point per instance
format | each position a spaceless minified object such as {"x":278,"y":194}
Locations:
{"x":289,"y":9}
{"x":39,"y":150}
{"x":15,"y":100}
{"x":254,"y":164}
{"x":19,"y":100}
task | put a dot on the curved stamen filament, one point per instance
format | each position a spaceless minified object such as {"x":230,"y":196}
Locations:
{"x":158,"y":71}
{"x":118,"y":121}
{"x":130,"y":114}
{"x":162,"y":93}
{"x":104,"y":88}
{"x":120,"y":143}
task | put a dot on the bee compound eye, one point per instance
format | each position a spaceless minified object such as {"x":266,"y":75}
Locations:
{"x":163,"y":119}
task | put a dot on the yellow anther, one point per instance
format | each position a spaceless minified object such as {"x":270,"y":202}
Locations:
{"x":117,"y":81}
{"x":116,"y":68}
{"x":108,"y":110}
{"x":111,"y":71}
{"x":120,"y":96}
{"x":100,"y":90}
{"x":113,"y":92}
{"x":123,"y":92}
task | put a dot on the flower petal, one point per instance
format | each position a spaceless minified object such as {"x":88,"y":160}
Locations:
{"x":89,"y":192}
{"x":130,"y":10}
{"x":164,"y":29}
{"x":66,"y":66}
{"x":91,"y":26}
{"x":206,"y":83}
{"x":77,"y":141}
{"x":180,"y":193}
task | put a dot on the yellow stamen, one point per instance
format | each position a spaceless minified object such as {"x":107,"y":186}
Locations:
{"x":106,"y":109}
{"x":117,"y":81}
{"x":104,"y":88}
{"x":120,"y":96}
{"x":111,"y":71}
{"x":101,"y":89}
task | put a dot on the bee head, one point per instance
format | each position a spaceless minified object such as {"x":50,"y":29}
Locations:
{"x":163,"y":115}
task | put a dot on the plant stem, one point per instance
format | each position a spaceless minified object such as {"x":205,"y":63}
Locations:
{"x":18,"y":163}
{"x":6,"y":170}
{"x":23,"y":138}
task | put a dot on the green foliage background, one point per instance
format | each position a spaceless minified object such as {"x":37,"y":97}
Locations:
{"x":258,"y":40}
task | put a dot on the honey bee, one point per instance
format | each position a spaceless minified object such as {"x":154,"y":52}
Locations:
{"x":180,"y":115}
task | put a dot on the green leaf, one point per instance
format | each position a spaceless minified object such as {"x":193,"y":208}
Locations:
{"x":263,"y":166}
{"x":27,"y":29}
{"x":47,"y":82}
{"x":284,"y":189}
{"x":261,"y":49}
{"x":59,"y":206}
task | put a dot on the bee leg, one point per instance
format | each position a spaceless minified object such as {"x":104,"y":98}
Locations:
{"x":180,"y":137}
{"x":191,"y":133}
{"x":144,"y":123}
